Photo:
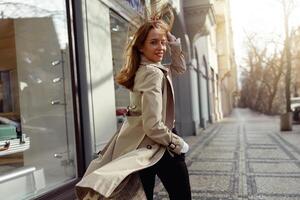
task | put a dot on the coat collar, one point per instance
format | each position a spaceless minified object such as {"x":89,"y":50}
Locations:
{"x":145,"y":61}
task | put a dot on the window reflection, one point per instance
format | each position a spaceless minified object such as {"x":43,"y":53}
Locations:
{"x":14,"y":9}
{"x":36,"y":116}
{"x":120,"y":29}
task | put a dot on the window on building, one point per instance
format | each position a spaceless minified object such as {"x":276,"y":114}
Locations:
{"x":120,"y":33}
{"x":37,"y":145}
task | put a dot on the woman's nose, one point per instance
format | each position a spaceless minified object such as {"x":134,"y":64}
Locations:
{"x":161,"y":46}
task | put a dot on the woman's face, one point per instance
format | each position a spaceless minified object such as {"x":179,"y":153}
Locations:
{"x":155,"y":45}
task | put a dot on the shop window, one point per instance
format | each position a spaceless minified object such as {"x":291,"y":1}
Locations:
{"x":37,"y":145}
{"x":120,"y":33}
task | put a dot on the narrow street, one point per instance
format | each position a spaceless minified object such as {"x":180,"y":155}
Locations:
{"x":245,"y":156}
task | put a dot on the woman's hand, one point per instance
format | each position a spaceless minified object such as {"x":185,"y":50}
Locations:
{"x":185,"y":147}
{"x":170,"y":37}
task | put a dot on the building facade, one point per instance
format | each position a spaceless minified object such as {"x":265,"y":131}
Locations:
{"x":200,"y":21}
{"x":212,"y":71}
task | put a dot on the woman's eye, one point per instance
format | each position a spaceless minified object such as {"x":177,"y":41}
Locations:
{"x":154,"y":42}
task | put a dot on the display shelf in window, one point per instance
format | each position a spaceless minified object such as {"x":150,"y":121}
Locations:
{"x":14,"y":145}
{"x":11,"y":139}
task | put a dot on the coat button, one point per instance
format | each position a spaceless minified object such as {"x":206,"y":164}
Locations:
{"x":149,"y":146}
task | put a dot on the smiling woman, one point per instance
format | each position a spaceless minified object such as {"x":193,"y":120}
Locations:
{"x":147,"y":143}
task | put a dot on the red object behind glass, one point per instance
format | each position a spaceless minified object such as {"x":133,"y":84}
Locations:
{"x":121,"y":111}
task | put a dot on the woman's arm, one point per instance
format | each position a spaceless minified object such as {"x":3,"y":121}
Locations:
{"x":154,"y":127}
{"x":178,"y":65}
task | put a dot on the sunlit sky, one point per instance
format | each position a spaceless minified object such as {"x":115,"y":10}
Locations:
{"x":264,"y":17}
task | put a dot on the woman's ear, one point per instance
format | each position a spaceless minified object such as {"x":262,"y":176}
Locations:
{"x":141,"y":50}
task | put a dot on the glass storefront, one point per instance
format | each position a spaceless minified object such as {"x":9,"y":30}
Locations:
{"x":37,"y":145}
{"x":120,"y":30}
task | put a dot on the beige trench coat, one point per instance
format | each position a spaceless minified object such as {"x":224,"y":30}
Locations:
{"x":142,"y":139}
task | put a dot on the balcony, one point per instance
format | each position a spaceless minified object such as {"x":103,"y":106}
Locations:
{"x":199,"y":17}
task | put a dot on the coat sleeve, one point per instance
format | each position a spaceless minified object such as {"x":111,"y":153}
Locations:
{"x":178,"y":65}
{"x":153,"y":124}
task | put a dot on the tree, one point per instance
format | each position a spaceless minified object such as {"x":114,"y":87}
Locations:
{"x":286,"y":118}
{"x":276,"y":69}
{"x":287,"y":6}
{"x":262,"y":75}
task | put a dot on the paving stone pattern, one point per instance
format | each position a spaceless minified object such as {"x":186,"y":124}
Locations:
{"x":243,"y":157}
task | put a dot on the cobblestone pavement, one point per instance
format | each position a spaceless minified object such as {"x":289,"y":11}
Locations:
{"x":243,"y":157}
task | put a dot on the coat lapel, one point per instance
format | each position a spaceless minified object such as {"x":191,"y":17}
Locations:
{"x":169,"y":104}
{"x":170,"y":99}
{"x":171,"y":85}
{"x":168,"y":94}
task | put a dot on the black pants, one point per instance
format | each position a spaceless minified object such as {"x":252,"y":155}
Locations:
{"x":173,"y":173}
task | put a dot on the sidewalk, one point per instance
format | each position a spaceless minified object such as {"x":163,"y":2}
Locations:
{"x":243,"y":157}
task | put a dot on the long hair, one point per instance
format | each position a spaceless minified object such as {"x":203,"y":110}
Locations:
{"x":161,"y":20}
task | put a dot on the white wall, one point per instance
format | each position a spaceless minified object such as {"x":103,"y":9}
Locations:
{"x":100,"y":72}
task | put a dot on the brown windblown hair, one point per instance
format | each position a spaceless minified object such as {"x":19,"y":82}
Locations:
{"x":162,"y":20}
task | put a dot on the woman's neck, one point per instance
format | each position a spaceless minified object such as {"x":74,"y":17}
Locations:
{"x":145,"y":60}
